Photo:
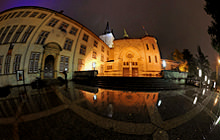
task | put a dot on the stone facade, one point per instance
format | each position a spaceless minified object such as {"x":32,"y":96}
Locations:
{"x":43,"y":43}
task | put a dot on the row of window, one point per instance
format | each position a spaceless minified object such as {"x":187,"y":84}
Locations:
{"x":23,"y":14}
{"x":33,"y":63}
{"x":7,"y":32}
{"x":152,"y":46}
{"x":155,"y":58}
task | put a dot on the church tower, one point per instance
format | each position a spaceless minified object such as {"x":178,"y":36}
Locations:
{"x":107,"y":36}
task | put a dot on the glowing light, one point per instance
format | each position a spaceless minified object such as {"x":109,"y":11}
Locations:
{"x":214,"y":85}
{"x":208,"y":81}
{"x":164,"y":63}
{"x":205,"y":78}
{"x":95,"y":97}
{"x":200,"y":73}
{"x":195,"y":100}
{"x":217,"y":121}
{"x":203,"y":92}
{"x":159,"y":103}
{"x":93,"y":64}
{"x":216,"y":100}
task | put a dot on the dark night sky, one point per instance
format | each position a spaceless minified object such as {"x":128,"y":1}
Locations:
{"x":180,"y":24}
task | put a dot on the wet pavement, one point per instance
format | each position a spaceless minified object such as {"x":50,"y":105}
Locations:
{"x":83,"y":112}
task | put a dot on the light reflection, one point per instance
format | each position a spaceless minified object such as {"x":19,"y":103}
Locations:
{"x":216,"y":101}
{"x":159,"y":103}
{"x":195,"y":100}
{"x":203,"y":91}
{"x":217,"y":121}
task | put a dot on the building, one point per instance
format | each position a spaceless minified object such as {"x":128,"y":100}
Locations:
{"x":40,"y":42}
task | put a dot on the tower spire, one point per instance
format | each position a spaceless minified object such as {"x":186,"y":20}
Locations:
{"x":125,"y":34}
{"x":107,"y":29}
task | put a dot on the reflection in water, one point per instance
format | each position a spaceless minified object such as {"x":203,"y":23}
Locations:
{"x":139,"y":113}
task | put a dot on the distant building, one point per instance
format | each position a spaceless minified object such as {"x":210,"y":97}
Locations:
{"x":45,"y":43}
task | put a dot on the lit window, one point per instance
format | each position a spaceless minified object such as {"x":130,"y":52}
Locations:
{"x":102,"y":57}
{"x":95,"y":44}
{"x":73,"y":31}
{"x":155,"y":59}
{"x":19,"y":14}
{"x":7,"y":64}
{"x":42,"y":37}
{"x":1,"y":61}
{"x":52,"y":22}
{"x":8,"y":37}
{"x":85,"y":37}
{"x":16,"y":64}
{"x":26,"y":13}
{"x":68,"y":44}
{"x":33,"y":63}
{"x":82,"y":49}
{"x":63,"y":27}
{"x":149,"y":59}
{"x":94,"y":54}
{"x":4,"y":34}
{"x":18,"y":33}
{"x":27,"y":34}
{"x":109,"y":67}
{"x":107,"y":52}
{"x":64,"y":61}
{"x":102,"y":49}
{"x":80,"y":64}
{"x":34,"y":14}
{"x":41,"y":16}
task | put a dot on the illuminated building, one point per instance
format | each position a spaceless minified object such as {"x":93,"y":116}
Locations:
{"x":44,"y":43}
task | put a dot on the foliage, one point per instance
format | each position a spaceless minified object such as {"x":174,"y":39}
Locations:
{"x":203,"y":62}
{"x":212,"y":9}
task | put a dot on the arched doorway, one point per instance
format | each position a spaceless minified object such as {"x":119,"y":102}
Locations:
{"x":49,"y":67}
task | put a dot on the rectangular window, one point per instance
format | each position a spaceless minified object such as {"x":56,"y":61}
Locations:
{"x":18,"y":33}
{"x":80,"y":64}
{"x":102,"y":57}
{"x":153,"y":46}
{"x":33,"y":63}
{"x":8,"y":37}
{"x":52,"y":22}
{"x":63,"y":27}
{"x":41,"y":16}
{"x":1,"y":30}
{"x":68,"y":44}
{"x":27,"y":34}
{"x":95,"y":44}
{"x":42,"y":37}
{"x":109,"y":67}
{"x":102,"y":49}
{"x":149,"y":59}
{"x":19,"y":14}
{"x":26,"y":13}
{"x":4,"y":34}
{"x":1,"y":61}
{"x":107,"y":52}
{"x":94,"y":54}
{"x":8,"y":16}
{"x":34,"y":14}
{"x":155,"y":59}
{"x":16,"y":64}
{"x":82,"y":50}
{"x":85,"y":37}
{"x":64,"y":61}
{"x":13,"y":14}
{"x":73,"y":31}
{"x":147,"y":46}
{"x":7,"y":64}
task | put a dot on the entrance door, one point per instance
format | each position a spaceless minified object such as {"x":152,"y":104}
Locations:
{"x":125,"y":71}
{"x":49,"y":67}
{"x":134,"y":72}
